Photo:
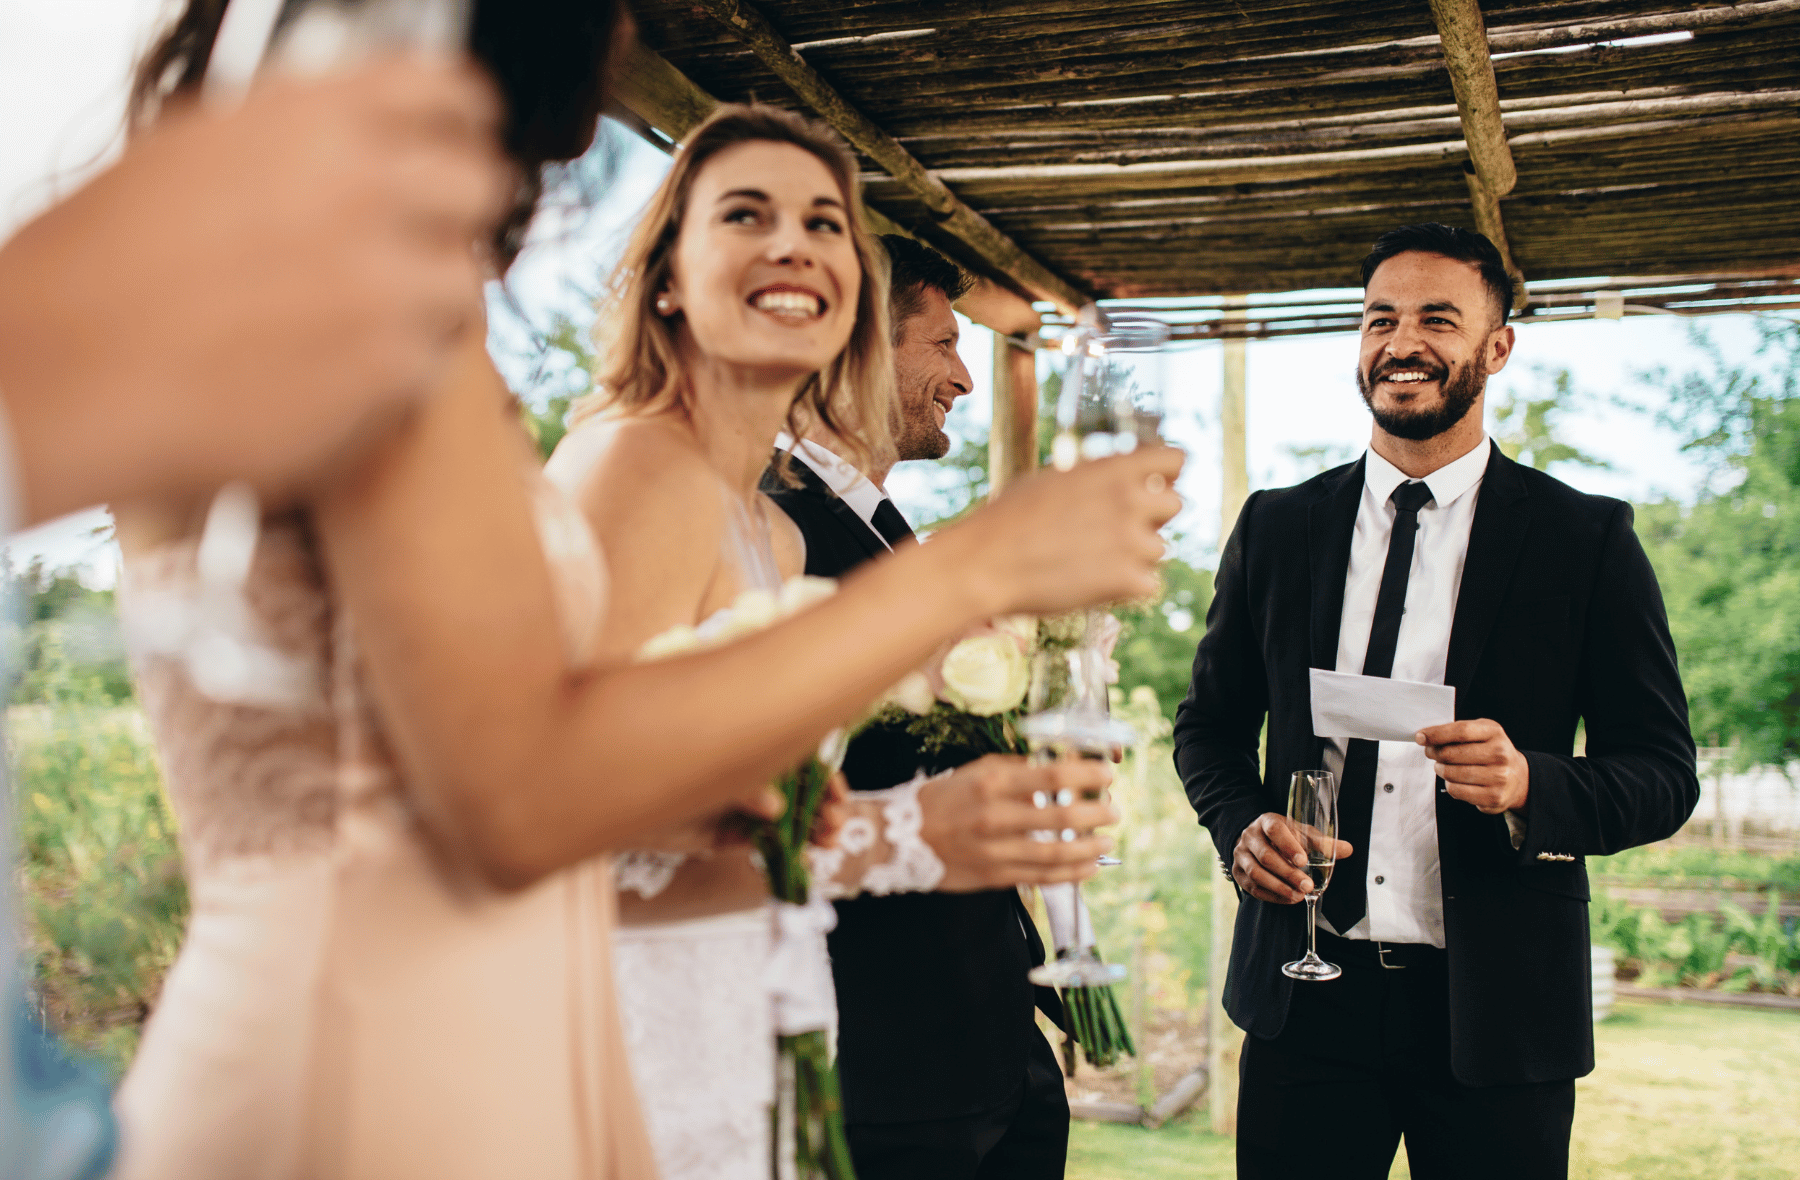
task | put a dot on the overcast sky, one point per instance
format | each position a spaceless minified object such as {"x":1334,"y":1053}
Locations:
{"x":62,"y":71}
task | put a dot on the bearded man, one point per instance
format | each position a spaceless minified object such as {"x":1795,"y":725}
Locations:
{"x":1458,"y":907}
{"x":943,"y":1069}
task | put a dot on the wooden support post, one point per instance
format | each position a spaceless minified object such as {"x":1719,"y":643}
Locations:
{"x":1234,"y":472}
{"x":1222,"y":1037}
{"x":1012,"y":437}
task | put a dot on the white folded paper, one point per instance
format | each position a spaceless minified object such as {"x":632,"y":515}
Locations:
{"x":1377,"y":708}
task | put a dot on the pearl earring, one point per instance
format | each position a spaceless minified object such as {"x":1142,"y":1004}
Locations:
{"x":664,"y":306}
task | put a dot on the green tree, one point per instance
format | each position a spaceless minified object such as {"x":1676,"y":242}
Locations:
{"x":64,"y":641}
{"x":561,"y":369}
{"x":1525,"y":425}
{"x":1729,"y":564}
{"x":1156,"y":648}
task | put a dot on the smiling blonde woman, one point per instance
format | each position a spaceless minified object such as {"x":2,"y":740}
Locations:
{"x":752,"y":298}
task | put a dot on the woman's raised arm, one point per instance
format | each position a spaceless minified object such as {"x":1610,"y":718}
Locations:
{"x":525,"y":767}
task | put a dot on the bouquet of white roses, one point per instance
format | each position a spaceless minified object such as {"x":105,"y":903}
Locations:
{"x":814,"y":1104}
{"x":971,"y":702}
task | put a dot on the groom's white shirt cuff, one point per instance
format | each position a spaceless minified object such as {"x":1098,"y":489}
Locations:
{"x":852,"y":486}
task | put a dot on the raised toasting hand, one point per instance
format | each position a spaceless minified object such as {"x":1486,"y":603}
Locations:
{"x":983,"y":822}
{"x":1057,"y":540}
{"x":1269,"y":862}
{"x":249,"y":293}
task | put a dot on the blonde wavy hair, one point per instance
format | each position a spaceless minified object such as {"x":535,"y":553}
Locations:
{"x":638,"y":369}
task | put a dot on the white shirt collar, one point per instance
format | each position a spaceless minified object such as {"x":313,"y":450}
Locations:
{"x":842,"y":477}
{"x":1448,"y":483}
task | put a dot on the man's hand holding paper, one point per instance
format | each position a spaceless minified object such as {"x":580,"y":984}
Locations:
{"x":1477,"y":761}
{"x":1479,"y":764}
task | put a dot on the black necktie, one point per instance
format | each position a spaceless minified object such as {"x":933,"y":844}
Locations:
{"x":1347,"y":899}
{"x":890,"y":524}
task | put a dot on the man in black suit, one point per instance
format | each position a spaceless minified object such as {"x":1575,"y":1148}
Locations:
{"x":944,"y":1072}
{"x":1458,"y":908}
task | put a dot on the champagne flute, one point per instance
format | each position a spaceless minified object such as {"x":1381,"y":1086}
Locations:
{"x":1312,"y":806}
{"x":1067,"y":721}
{"x":1112,"y":386}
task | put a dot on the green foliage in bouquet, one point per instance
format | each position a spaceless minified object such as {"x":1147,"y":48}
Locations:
{"x":1097,"y":1025}
{"x":947,"y":727}
{"x":820,"y":1148}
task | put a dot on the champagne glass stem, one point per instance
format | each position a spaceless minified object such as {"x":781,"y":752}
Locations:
{"x":1312,"y":925}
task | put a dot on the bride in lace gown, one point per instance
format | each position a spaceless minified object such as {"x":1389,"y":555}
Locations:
{"x":758,"y":275}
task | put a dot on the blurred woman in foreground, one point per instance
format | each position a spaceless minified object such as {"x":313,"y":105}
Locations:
{"x":394,"y":826}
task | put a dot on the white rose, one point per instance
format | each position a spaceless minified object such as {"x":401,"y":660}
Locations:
{"x":912,"y":694}
{"x":1022,"y":627}
{"x":986,"y":674}
{"x":676,"y":640}
{"x":801,"y":591}
{"x":754,"y":610}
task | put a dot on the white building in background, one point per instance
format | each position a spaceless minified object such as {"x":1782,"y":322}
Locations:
{"x":1767,"y":798}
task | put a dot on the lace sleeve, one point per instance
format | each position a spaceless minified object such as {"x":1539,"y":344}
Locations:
{"x":645,"y":873}
{"x":879,"y":849}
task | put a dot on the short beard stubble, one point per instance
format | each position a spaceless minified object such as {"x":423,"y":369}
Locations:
{"x":1461,"y":390}
{"x":919,"y":436}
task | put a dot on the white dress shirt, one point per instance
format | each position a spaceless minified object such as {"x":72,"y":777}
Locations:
{"x":1405,"y":892}
{"x":852,"y":486}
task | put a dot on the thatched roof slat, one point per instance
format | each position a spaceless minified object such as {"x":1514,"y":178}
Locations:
{"x":1161,"y":147}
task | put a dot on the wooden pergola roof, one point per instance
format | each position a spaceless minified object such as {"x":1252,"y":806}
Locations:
{"x":1072,"y":149}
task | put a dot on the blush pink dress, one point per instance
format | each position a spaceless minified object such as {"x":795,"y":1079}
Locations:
{"x":348,"y":1003}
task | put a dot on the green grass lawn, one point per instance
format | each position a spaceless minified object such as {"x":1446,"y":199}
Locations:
{"x":1681,"y":1091}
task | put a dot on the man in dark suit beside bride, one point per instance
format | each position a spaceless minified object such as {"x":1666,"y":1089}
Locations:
{"x":1458,"y":909}
{"x":943,"y":1070}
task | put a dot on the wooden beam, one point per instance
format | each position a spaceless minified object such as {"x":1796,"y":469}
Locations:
{"x":944,"y":206}
{"x":1490,"y":226}
{"x":1465,"y":43}
{"x":1073,"y":179}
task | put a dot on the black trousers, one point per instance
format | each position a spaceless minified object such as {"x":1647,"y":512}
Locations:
{"x":1364,"y":1062}
{"x":1027,"y":1138}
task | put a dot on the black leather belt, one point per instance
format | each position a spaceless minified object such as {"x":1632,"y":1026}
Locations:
{"x":1366,"y":952}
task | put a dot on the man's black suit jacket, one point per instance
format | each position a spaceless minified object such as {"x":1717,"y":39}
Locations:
{"x":1559,"y":621}
{"x":934,"y":1010}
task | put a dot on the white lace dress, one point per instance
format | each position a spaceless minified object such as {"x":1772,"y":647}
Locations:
{"x":702,"y":1000}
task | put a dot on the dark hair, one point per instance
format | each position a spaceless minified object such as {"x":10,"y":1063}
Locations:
{"x":549,"y":58}
{"x":912,"y":269}
{"x":1464,"y":245}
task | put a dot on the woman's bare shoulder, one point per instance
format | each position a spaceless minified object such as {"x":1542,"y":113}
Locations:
{"x":635,"y":472}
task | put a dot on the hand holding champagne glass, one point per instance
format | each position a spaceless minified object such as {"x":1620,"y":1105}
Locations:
{"x":1312,"y":811}
{"x":1068,"y":721}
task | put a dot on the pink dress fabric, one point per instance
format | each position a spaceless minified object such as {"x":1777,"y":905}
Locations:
{"x":347,"y":1003}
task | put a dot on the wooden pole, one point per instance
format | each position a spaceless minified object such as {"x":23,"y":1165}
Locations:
{"x":1487,"y":221}
{"x":1465,"y":42}
{"x":1012,"y":437}
{"x":1222,"y":1037}
{"x":948,"y":211}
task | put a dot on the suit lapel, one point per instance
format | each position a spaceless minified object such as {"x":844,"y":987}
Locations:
{"x":866,"y":537}
{"x":1502,"y":517}
{"x":1330,"y":525}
